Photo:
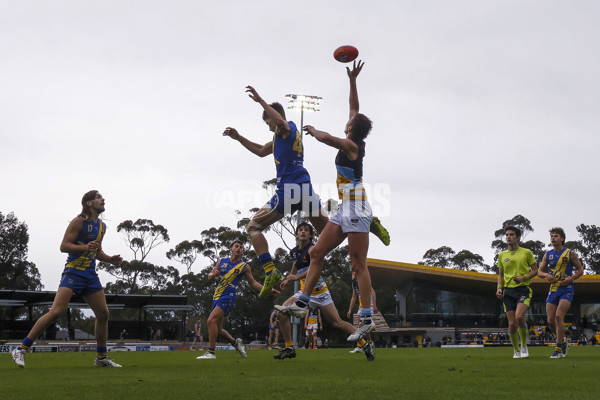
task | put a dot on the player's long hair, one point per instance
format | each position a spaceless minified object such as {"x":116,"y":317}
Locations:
{"x":85,"y":209}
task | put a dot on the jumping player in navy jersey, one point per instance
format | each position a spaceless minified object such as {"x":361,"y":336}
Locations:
{"x":353,"y":218}
{"x":561,"y":267}
{"x":83,"y":243}
{"x":230,"y":272}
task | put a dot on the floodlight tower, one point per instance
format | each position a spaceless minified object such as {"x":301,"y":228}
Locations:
{"x":309,"y":103}
{"x":303,"y":102}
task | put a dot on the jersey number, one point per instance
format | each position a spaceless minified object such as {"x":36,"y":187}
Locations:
{"x":298,"y":144}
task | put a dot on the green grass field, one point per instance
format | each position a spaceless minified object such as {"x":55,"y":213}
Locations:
{"x":432,"y":373}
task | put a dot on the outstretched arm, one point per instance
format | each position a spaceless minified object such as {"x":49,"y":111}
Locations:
{"x":353,"y":74}
{"x":282,"y":127}
{"x":114,"y":260}
{"x":258,"y":149}
{"x":346,"y":145}
{"x":291,"y":277}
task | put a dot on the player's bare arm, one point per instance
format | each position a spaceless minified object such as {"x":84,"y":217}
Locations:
{"x":579,"y":270}
{"x":351,"y":306}
{"x":374,"y":301}
{"x":347,"y":146}
{"x":261,"y":150}
{"x":353,"y":74}
{"x":282,"y":127}
{"x":533,"y":271}
{"x":68,"y":243}
{"x":114,"y":260}
{"x":215,"y":271}
{"x":291,"y":277}
{"x":542,"y":271}
{"x":500,"y":283}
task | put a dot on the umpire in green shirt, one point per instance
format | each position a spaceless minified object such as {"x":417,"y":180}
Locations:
{"x":516,"y":268}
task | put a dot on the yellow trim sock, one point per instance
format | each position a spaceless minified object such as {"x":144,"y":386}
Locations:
{"x":268,"y":267}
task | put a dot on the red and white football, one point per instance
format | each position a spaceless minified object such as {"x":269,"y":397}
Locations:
{"x":345,"y":54}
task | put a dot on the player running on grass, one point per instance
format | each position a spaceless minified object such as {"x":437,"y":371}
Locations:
{"x":354,"y":216}
{"x":231,"y":271}
{"x":83,"y":242}
{"x":294,"y":189}
{"x":320,"y":296}
{"x":563,"y":268}
{"x":516,"y":268}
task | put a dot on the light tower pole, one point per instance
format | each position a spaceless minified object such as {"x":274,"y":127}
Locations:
{"x":309,"y":103}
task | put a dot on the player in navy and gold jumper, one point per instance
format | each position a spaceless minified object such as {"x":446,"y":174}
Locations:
{"x":83,"y":243}
{"x":294,"y":189}
{"x":516,"y":268}
{"x":561,"y":267}
{"x":230,"y":272}
{"x":320,"y":296}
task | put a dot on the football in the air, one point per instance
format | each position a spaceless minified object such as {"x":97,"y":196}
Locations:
{"x":345,"y":54}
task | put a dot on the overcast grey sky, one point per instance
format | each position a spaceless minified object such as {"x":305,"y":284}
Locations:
{"x":482,"y":110}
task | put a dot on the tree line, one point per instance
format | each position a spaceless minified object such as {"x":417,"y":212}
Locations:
{"x":138,"y":276}
{"x":587,"y":247}
{"x":250,"y":315}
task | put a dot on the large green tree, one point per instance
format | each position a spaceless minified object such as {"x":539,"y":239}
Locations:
{"x":446,"y":257}
{"x":186,"y":253}
{"x":137,"y":275}
{"x":142,"y":236}
{"x":589,"y":247}
{"x":440,"y":257}
{"x":468,"y":261}
{"x":15,"y":271}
